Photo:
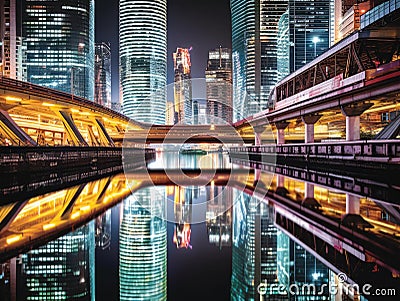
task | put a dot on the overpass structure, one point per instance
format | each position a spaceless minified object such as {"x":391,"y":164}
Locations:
{"x":347,"y":88}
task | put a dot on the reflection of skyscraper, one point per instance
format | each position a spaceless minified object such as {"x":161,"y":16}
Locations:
{"x":143,"y":58}
{"x":102,"y":64}
{"x":183,"y":202}
{"x":60,"y":45}
{"x":183,"y":86}
{"x":103,"y":230}
{"x":62,"y":269}
{"x":219,"y":85}
{"x":143,"y":247}
{"x":219,"y":215}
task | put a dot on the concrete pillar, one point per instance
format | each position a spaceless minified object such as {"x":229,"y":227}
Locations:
{"x":257,"y":138}
{"x":353,"y":113}
{"x":352,"y":128}
{"x":257,"y":176}
{"x":352,"y":204}
{"x":280,"y":181}
{"x":310,"y":121}
{"x":281,"y":126}
{"x":309,"y":190}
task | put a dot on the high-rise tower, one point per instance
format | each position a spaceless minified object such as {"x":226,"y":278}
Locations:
{"x":219,"y":85}
{"x":254,"y":53}
{"x":102,"y":61}
{"x":143,"y":58}
{"x":12,"y":45}
{"x":183,"y":86}
{"x":60,"y":45}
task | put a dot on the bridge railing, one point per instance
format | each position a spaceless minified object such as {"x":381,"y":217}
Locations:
{"x":381,"y":149}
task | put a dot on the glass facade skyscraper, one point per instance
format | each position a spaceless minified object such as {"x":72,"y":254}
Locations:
{"x":254,"y":53}
{"x":60,"y":45}
{"x":102,"y":69}
{"x":183,"y":86}
{"x":143,"y":59}
{"x":309,"y":24}
{"x":219,"y":85}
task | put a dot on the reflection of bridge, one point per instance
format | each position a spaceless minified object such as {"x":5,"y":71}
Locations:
{"x":342,"y":246}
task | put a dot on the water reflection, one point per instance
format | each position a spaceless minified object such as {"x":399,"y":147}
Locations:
{"x":296,"y":237}
{"x":143,"y":247}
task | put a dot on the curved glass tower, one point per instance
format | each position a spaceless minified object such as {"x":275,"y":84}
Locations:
{"x":143,"y":59}
{"x":60,"y":45}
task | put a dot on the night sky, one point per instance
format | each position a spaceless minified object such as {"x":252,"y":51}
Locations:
{"x":201,"y":24}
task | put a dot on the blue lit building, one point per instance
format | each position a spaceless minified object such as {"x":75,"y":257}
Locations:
{"x":254,"y":53}
{"x":60,"y":45}
{"x":143,"y":59}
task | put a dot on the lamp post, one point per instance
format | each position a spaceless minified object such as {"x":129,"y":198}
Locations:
{"x":315,"y":41}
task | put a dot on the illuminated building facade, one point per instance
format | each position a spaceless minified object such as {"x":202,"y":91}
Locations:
{"x":102,"y":74}
{"x":143,"y":247}
{"x":12,"y":45}
{"x":183,"y":86}
{"x":169,"y":113}
{"x":254,"y":53}
{"x":63,"y":269}
{"x":143,"y":59}
{"x":60,"y":45}
{"x":309,"y":25}
{"x":283,"y":51}
{"x":219,"y":85}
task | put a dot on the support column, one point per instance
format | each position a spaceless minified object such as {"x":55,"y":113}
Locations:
{"x":70,"y":127}
{"x":281,"y":126}
{"x":310,"y":121}
{"x":280,"y":186}
{"x":352,"y":204}
{"x":103,"y":135}
{"x":353,"y":113}
{"x":309,"y":200}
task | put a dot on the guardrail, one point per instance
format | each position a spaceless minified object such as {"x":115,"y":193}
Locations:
{"x":383,"y":150}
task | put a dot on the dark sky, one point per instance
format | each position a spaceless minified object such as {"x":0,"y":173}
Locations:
{"x":201,"y":24}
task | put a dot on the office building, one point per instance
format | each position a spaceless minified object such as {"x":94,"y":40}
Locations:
{"x":103,"y":230}
{"x":254,"y":53}
{"x":183,"y":86}
{"x":12,"y":45}
{"x":102,"y":74}
{"x":309,"y":25}
{"x":143,"y":59}
{"x":283,"y":50}
{"x":60,"y":45}
{"x":219,"y":85}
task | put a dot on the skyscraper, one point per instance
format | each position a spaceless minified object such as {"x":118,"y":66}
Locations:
{"x":309,"y":24}
{"x":143,"y":58}
{"x":254,"y":52}
{"x":283,"y":50}
{"x":219,"y":85}
{"x":183,"y":86}
{"x":12,"y":45}
{"x":60,"y":45}
{"x":102,"y":74}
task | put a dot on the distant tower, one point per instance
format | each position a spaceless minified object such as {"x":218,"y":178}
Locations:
{"x":102,"y":74}
{"x":183,"y":86}
{"x":219,"y":85}
{"x":13,"y":46}
{"x":60,"y":45}
{"x":143,"y":58}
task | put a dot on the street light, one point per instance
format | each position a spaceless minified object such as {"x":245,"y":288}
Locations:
{"x":315,"y":41}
